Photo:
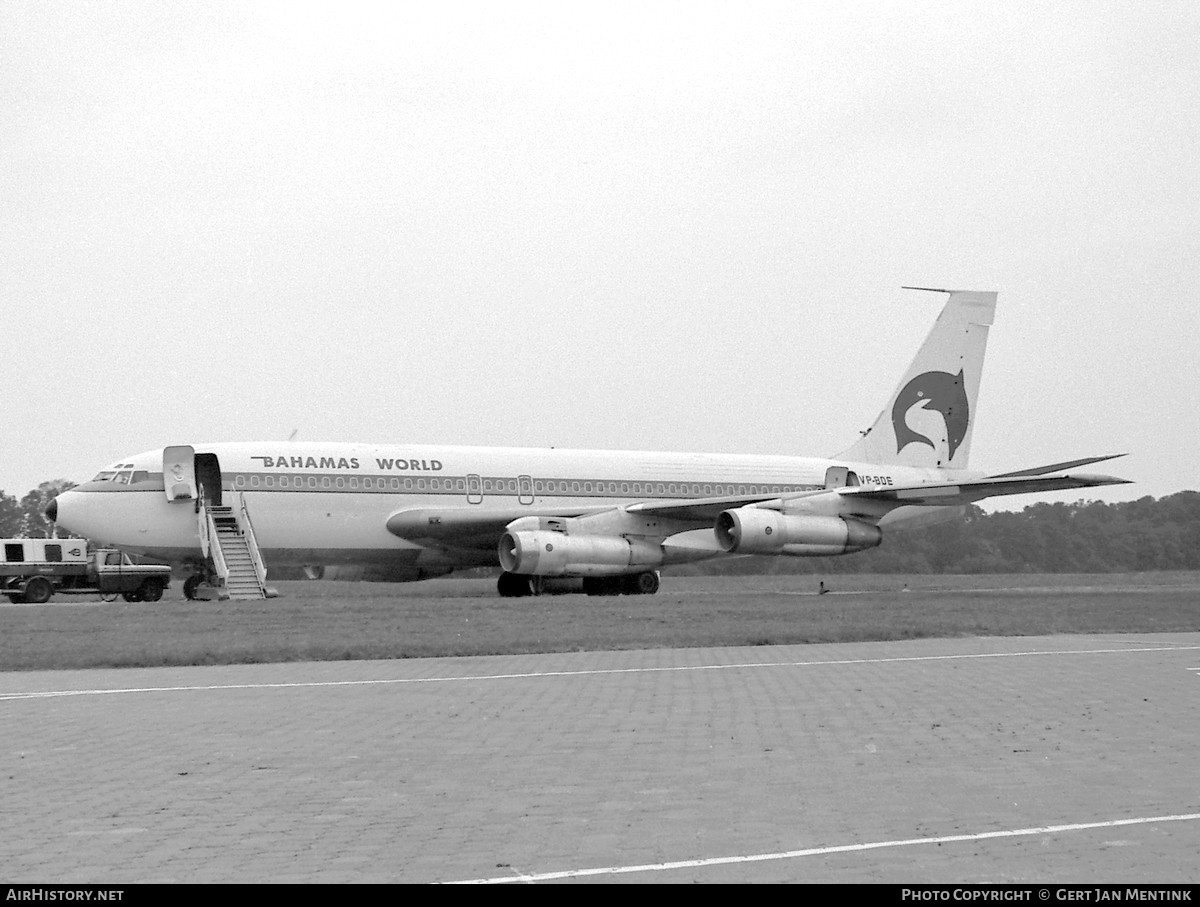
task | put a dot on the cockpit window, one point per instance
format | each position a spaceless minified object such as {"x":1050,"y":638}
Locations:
{"x":104,"y":476}
{"x":139,"y":475}
{"x":122,"y":478}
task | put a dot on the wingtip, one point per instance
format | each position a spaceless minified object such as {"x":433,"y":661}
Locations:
{"x":1097,"y":479}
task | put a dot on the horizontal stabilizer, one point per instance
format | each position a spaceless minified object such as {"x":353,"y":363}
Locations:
{"x":1056,"y":467}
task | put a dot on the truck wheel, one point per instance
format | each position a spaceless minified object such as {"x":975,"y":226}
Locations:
{"x":38,"y":591}
{"x":132,"y":596}
{"x":152,"y":590}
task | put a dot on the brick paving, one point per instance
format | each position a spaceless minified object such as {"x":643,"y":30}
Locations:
{"x":443,"y":769}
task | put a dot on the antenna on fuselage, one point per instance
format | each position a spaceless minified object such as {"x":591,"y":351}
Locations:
{"x":292,"y":436}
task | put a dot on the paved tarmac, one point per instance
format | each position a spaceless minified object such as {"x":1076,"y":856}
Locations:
{"x":1049,"y":759}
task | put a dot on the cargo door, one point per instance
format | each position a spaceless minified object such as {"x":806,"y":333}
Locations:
{"x":179,"y":473}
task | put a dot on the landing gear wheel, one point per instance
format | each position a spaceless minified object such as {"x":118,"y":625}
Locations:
{"x":513,"y":585}
{"x":189,"y":586}
{"x":641,"y":583}
{"x":38,"y":591}
{"x":602,"y":585}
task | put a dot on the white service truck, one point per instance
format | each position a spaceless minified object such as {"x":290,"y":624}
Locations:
{"x":32,"y":570}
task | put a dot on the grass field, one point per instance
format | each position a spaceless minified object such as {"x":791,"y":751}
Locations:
{"x":321,"y":621}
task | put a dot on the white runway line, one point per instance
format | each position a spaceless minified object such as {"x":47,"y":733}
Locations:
{"x":532,"y":675}
{"x":822,"y":851}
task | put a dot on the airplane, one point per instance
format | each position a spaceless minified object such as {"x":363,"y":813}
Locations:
{"x":610,"y":520}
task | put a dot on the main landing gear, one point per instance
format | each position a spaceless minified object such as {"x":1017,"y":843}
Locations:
{"x":645,"y":583}
{"x":199,"y":587}
{"x":514,"y":585}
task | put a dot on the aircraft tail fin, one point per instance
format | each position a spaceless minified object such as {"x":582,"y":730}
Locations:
{"x":929,"y":418}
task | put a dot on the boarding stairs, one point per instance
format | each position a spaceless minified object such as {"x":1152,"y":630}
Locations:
{"x":228,"y":537}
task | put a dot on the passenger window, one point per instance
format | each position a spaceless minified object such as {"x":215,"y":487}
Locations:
{"x":54,"y":553}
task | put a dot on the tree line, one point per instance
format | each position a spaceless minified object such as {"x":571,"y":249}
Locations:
{"x":1083,"y":537}
{"x":26,"y":518}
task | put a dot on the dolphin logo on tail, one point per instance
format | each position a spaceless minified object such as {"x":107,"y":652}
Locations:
{"x":957,"y":341}
{"x":941,"y":392}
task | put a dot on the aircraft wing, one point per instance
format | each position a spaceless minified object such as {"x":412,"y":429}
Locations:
{"x":706,"y":510}
{"x":469,"y":527}
{"x":942,"y":494}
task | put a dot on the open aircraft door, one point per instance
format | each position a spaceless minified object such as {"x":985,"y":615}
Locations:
{"x":840,"y":477}
{"x":179,"y":473}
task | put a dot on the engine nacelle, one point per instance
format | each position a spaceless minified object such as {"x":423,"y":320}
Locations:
{"x":753,"y":530}
{"x":547,"y":553}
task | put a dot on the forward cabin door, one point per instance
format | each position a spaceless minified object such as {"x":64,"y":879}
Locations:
{"x":179,"y":473}
{"x":208,"y":478}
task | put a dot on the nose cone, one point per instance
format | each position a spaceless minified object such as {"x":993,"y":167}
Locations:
{"x":52,"y":511}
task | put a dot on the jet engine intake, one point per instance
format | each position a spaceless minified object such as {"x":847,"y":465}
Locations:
{"x":753,"y":530}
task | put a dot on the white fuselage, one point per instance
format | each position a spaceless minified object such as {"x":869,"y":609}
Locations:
{"x":329,"y":503}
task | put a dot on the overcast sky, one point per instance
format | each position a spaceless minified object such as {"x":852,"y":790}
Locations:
{"x":666,"y":226}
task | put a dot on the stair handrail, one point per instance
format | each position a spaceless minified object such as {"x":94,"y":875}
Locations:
{"x":260,"y":568}
{"x":215,"y":552}
{"x":202,"y":528}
